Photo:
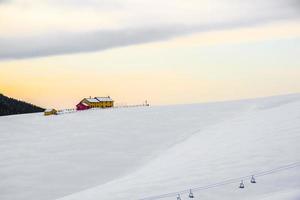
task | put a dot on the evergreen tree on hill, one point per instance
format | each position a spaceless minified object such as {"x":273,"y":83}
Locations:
{"x":10,"y":106}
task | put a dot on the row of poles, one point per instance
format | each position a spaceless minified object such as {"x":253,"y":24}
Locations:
{"x":252,"y":179}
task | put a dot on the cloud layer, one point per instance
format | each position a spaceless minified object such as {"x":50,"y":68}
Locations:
{"x":99,"y":25}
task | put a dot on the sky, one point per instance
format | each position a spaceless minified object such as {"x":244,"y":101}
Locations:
{"x":53,"y":53}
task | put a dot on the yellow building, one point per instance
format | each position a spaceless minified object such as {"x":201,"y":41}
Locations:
{"x":98,"y":102}
{"x":50,"y":112}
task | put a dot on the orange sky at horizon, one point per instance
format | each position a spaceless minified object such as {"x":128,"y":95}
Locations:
{"x":213,"y":66}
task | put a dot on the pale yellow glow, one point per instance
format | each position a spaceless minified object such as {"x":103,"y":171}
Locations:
{"x":63,"y":88}
{"x":162,"y":72}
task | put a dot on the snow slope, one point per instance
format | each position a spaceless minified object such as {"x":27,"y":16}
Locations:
{"x":131,"y":153}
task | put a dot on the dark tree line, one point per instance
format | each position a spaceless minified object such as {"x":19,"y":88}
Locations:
{"x":10,"y":106}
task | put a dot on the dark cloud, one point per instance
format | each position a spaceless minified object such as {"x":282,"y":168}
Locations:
{"x":67,"y":43}
{"x":4,"y":1}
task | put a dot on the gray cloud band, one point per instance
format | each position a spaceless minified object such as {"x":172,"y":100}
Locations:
{"x":68,"y":43}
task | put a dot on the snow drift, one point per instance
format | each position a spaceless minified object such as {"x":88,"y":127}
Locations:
{"x":139,"y":152}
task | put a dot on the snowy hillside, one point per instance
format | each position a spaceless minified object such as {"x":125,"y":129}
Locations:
{"x":133,"y":153}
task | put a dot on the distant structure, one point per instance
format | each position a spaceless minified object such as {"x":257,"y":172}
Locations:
{"x":82,"y":106}
{"x":50,"y":112}
{"x":96,"y":102}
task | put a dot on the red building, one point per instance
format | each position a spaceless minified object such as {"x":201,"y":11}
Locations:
{"x":82,"y":106}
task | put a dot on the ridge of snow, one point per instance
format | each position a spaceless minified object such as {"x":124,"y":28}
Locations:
{"x":140,"y":152}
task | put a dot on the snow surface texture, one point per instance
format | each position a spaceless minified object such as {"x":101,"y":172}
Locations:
{"x":132,"y":153}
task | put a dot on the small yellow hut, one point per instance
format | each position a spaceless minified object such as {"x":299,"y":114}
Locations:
{"x":50,"y":112}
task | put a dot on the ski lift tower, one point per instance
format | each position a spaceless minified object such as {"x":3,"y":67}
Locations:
{"x":146,"y":103}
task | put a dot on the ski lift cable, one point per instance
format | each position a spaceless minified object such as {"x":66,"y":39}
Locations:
{"x":277,"y":169}
{"x":225,"y":182}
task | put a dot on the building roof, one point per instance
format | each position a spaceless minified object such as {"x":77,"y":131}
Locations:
{"x":104,"y":98}
{"x":82,"y":103}
{"x":92,"y":100}
{"x":98,"y":99}
{"x":49,"y":110}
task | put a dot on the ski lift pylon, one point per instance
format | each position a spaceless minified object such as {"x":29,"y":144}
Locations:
{"x":191,"y":195}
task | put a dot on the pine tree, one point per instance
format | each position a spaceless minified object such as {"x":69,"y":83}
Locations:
{"x":10,"y":106}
